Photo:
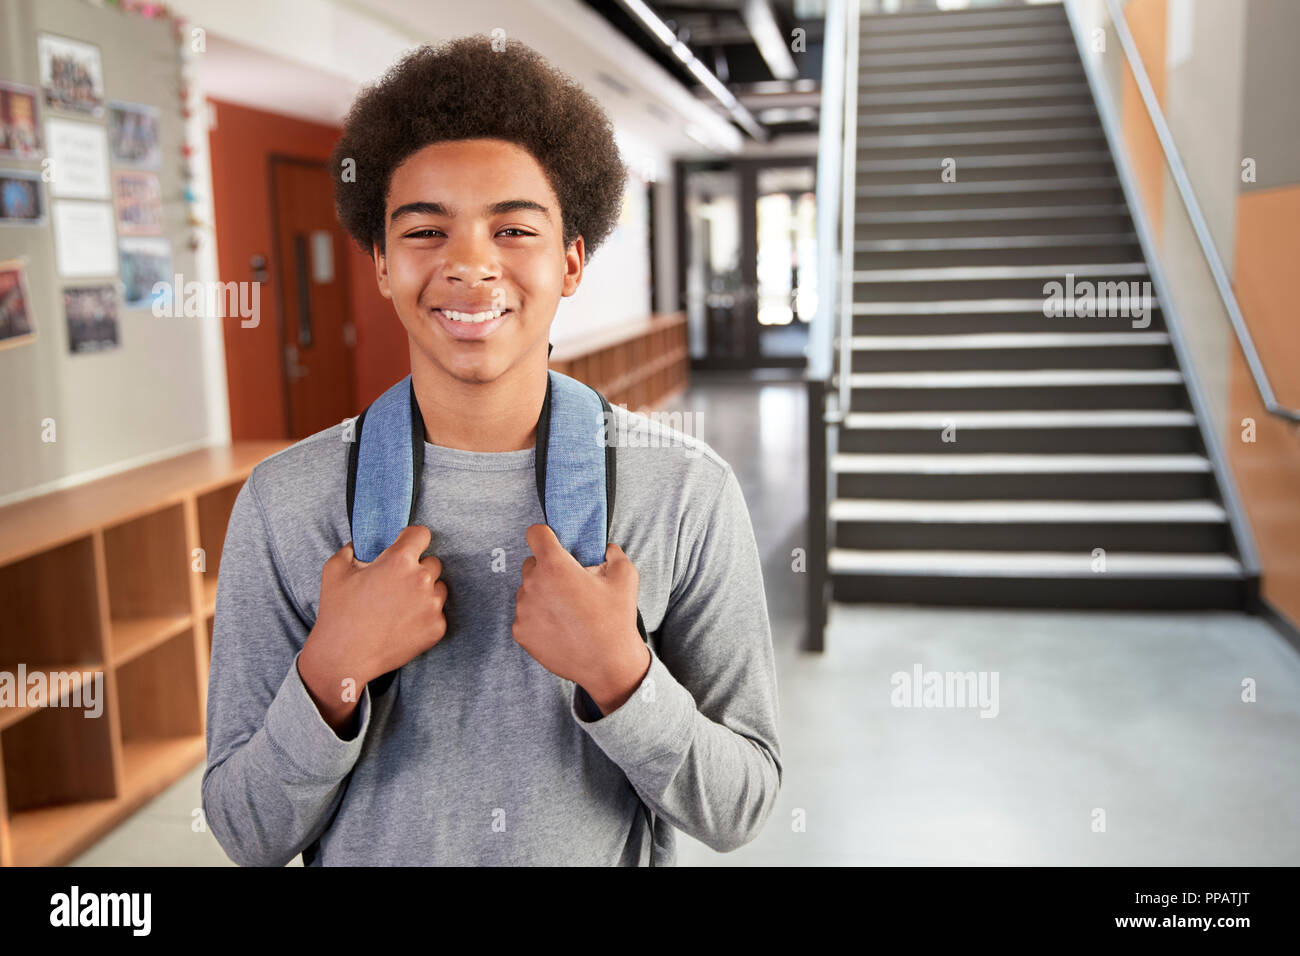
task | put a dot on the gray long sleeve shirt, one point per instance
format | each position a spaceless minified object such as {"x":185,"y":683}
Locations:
{"x":476,"y":754}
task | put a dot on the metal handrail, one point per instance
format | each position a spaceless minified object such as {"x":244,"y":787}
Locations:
{"x":1179,"y":174}
{"x":848,"y":208}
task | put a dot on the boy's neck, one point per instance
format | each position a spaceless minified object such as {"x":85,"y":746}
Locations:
{"x":495,"y":416}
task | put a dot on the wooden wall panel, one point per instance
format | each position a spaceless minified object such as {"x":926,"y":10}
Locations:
{"x":1147,"y":21}
{"x":1268,"y":470}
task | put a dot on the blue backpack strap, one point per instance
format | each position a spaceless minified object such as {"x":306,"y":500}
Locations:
{"x":385,"y":464}
{"x":573,"y":467}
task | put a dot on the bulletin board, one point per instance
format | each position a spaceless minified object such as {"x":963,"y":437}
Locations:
{"x":97,"y":221}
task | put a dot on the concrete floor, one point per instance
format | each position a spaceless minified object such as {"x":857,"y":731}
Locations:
{"x":1120,"y":738}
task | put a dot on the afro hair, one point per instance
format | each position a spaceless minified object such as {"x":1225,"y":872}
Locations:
{"x":477,"y":87}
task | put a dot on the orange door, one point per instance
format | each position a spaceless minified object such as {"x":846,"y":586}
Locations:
{"x":316,"y":330}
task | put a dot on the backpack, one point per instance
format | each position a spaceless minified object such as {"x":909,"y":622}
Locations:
{"x":575,"y":485}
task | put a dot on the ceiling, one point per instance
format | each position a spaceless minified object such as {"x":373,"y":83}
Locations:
{"x":750,"y":46}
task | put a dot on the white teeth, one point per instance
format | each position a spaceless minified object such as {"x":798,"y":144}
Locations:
{"x":472,"y":317}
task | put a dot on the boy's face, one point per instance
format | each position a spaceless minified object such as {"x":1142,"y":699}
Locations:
{"x":457,"y":238}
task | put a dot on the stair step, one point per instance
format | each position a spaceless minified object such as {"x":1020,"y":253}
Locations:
{"x":990,"y":306}
{"x":1115,"y":286}
{"x":1056,"y":420}
{"x":1064,"y":71}
{"x":1054,"y":32}
{"x":979,"y":187}
{"x":951,"y":243}
{"x":975,"y":94}
{"x":1021,"y":476}
{"x":1101,"y":431}
{"x":1025,"y":195}
{"x":1007,"y":389}
{"x":1002,"y":214}
{"x":992,"y":116}
{"x":1027,"y":512}
{"x":986,"y":18}
{"x":1019,"y":564}
{"x":1010,"y":464}
{"x":1054,"y":579}
{"x":950,"y":251}
{"x":988,"y":143}
{"x":1009,"y":350}
{"x":1004,"y":163}
{"x":871,"y":60}
{"x":1083,"y":131}
{"x":1006,"y":340}
{"x":919,"y":318}
{"x":999,"y":524}
{"x":1017,"y":378}
{"x":966,"y":273}
{"x":1010,"y":221}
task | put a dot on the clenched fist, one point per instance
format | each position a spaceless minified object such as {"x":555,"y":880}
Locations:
{"x":373,"y":618}
{"x":580,"y":622}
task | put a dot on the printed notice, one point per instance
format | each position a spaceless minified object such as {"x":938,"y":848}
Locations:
{"x":84,"y":241}
{"x":78,"y":159}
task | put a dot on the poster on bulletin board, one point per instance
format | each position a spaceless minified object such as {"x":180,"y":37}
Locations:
{"x":21,"y":198}
{"x":20,"y":136}
{"x":72,"y":74}
{"x":91,"y":317}
{"x":134,"y":135}
{"x":16,"y":325}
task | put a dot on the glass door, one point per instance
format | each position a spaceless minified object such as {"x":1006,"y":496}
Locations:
{"x":786,"y":260}
{"x":749,"y":261}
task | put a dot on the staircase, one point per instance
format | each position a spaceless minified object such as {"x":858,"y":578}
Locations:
{"x":991,"y":454}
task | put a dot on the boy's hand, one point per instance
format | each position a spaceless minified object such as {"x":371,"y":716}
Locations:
{"x":580,"y":623}
{"x":375,"y":616}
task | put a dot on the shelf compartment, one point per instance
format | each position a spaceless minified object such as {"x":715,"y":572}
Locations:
{"x":158,"y":691}
{"x":51,"y":607}
{"x":134,"y":636}
{"x":160,"y":710}
{"x":147,"y":566}
{"x":57,"y":769}
{"x":151,"y":765}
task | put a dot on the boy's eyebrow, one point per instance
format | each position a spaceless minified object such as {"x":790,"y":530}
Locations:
{"x":491,"y":209}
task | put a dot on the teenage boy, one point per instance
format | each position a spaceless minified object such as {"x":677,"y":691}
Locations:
{"x":480,"y":180}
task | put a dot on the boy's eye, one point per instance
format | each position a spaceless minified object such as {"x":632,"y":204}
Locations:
{"x":426,"y":233}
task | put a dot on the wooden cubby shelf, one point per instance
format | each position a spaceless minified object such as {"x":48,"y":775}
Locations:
{"x":639,"y":365}
{"x":109,"y":589}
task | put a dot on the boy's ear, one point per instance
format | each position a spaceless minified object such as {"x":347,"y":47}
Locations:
{"x":573,"y":262}
{"x":381,"y":271}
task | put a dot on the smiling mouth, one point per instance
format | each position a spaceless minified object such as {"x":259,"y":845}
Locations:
{"x":473,"y":318}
